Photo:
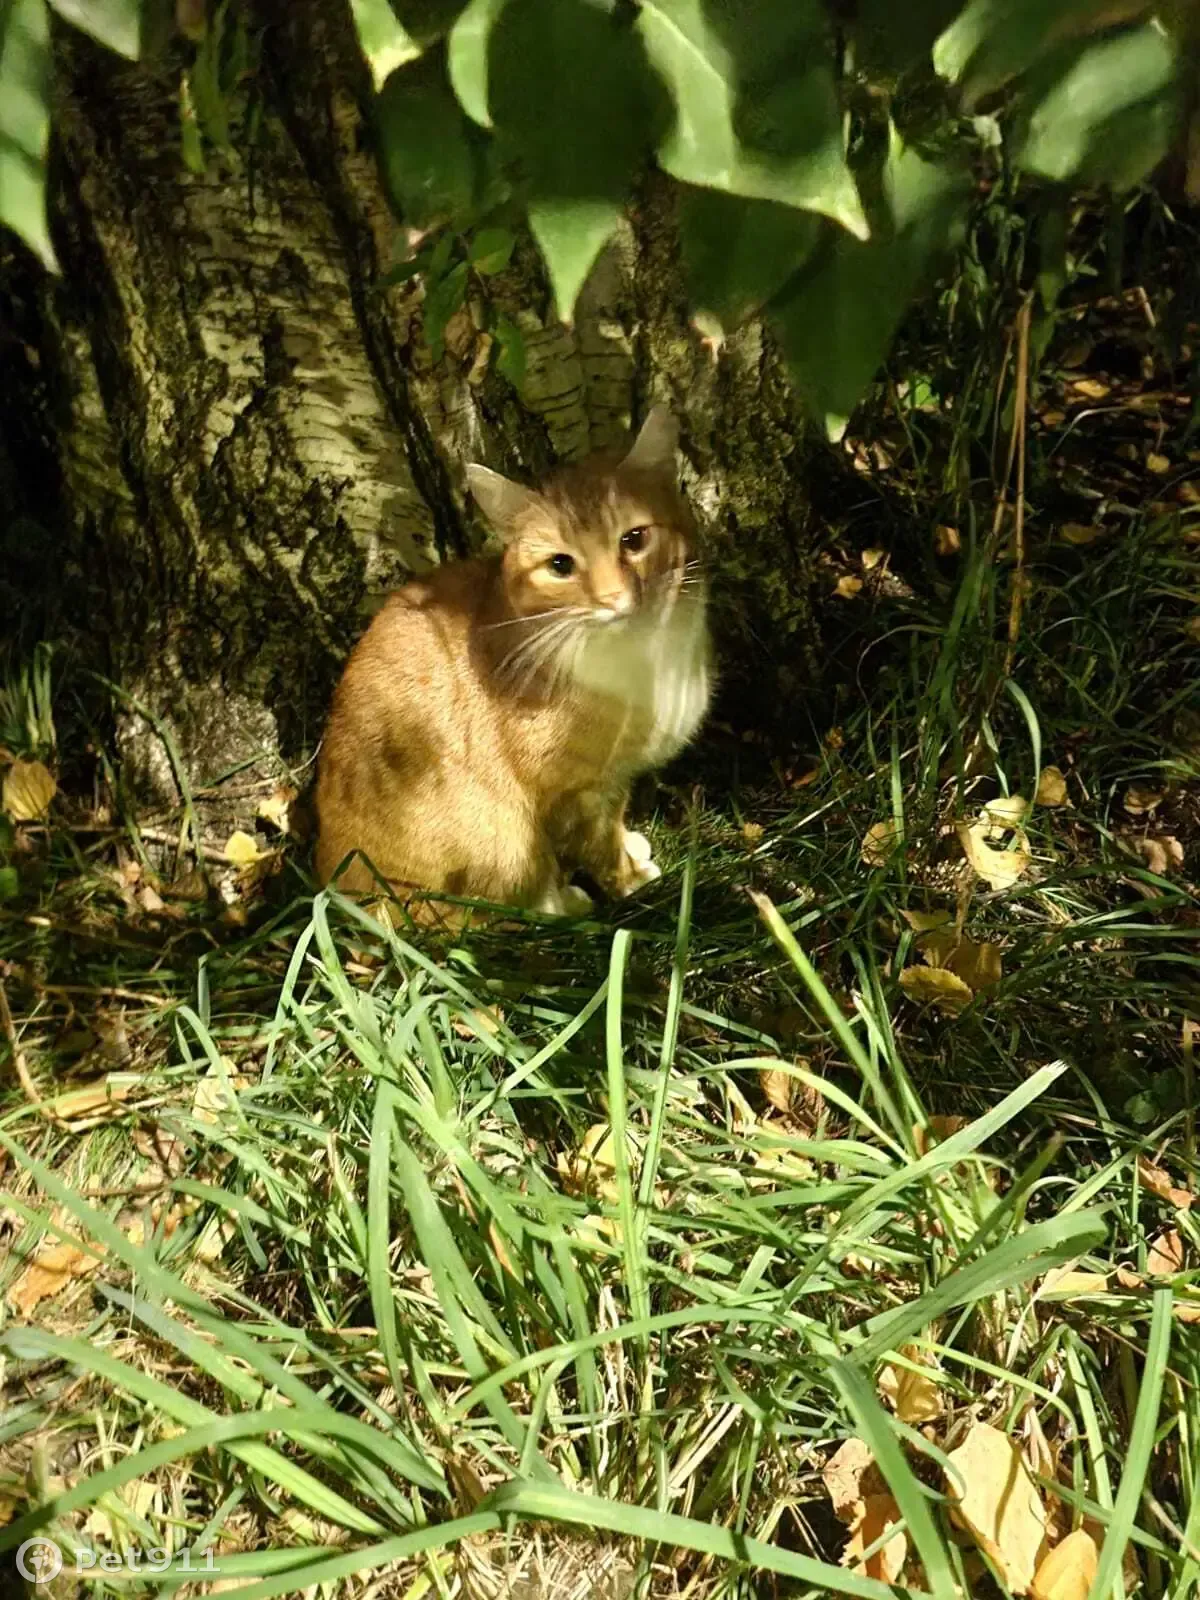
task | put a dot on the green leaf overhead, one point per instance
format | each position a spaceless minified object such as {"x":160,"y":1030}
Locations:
{"x":1107,"y":113}
{"x":25,"y":122}
{"x":836,"y":321}
{"x":385,"y":43}
{"x":468,"y":56}
{"x":756,"y":104}
{"x":116,"y":23}
{"x":737,"y":253}
{"x":426,"y":144}
{"x":577,"y":110}
{"x":991,"y":41}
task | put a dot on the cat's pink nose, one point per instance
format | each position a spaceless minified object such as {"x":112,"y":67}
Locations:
{"x":617,"y":603}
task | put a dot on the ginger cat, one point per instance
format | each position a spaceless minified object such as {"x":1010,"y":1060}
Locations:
{"x":489,"y":723}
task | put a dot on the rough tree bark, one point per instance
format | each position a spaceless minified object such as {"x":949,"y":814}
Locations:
{"x":237,"y":442}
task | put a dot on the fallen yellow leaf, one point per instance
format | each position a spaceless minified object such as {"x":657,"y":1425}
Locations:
{"x":878,"y":1513}
{"x":54,"y":1265}
{"x":848,"y":586}
{"x":1165,"y":1255}
{"x":1068,"y":1572}
{"x":844,"y":1477}
{"x":1051,"y":788}
{"x":1080,"y":532}
{"x":1158,"y":1181}
{"x":28,"y":791}
{"x":95,"y":1099}
{"x":1066,"y":1283}
{"x":913,"y":1396}
{"x":1162,"y":854}
{"x":1007,"y":810}
{"x":947,"y":541}
{"x":1091,"y":388}
{"x":211,"y":1098}
{"x":871,"y":558}
{"x":926,"y":921}
{"x":1158,"y":464}
{"x":241,"y":849}
{"x":998,"y":1502}
{"x":880,"y":843}
{"x":936,"y":986}
{"x":752,"y":832}
{"x":998,"y":867}
{"x":1139,"y":799}
{"x":276,"y":808}
{"x":776,"y":1085}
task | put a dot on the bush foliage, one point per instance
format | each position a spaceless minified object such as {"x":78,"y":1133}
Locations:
{"x":823,"y":153}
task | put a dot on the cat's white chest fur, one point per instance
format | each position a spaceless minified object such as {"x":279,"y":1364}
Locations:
{"x":658,"y":668}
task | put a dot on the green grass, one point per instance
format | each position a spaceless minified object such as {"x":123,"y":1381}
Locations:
{"x":423,"y":1265}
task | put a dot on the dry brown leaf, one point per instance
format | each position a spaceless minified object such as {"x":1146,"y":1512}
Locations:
{"x":1051,"y":419}
{"x":1068,"y":1572}
{"x":878,"y":1513}
{"x":1051,"y":788}
{"x":55,"y":1264}
{"x":1158,"y":1181}
{"x":1165,"y":1255}
{"x":1080,"y":532}
{"x":1006,"y":810}
{"x":880,"y":843}
{"x":998,"y":1502}
{"x":926,"y":921}
{"x":978,"y":965}
{"x":947,"y":541}
{"x":1129,"y":1279}
{"x":28,"y":791}
{"x":1186,"y":1310}
{"x":997,"y":866}
{"x":212,"y":1098}
{"x":277,"y":807}
{"x":1158,"y":464}
{"x":936,"y":986}
{"x":752,"y":832}
{"x":848,"y":586}
{"x":776,"y":1085}
{"x":1091,"y":388}
{"x":241,"y":849}
{"x":1162,"y":855}
{"x":913,"y":1396}
{"x":937,"y":1132}
{"x":1140,"y":799}
{"x":1067,"y":1283}
{"x":95,"y":1099}
{"x":481,"y":1022}
{"x":845,"y":1477}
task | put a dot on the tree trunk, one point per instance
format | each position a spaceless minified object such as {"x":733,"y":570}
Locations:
{"x":238,"y":442}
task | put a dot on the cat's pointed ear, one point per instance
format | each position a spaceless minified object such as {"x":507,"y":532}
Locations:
{"x":654,"y":448}
{"x":504,"y":503}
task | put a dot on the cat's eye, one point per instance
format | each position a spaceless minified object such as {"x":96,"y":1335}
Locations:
{"x":635,"y":540}
{"x":561,"y":564}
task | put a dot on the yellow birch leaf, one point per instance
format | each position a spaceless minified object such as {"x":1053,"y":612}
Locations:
{"x":1067,"y":1283}
{"x":1164,"y":1258}
{"x":1158,"y":1181}
{"x":998,"y":1502}
{"x":879,"y":1512}
{"x":1051,"y":787}
{"x":880,"y":843}
{"x":935,"y":986}
{"x":776,"y":1085}
{"x":1069,"y":1571}
{"x":56,"y":1263}
{"x":28,"y":791}
{"x":848,"y":586}
{"x":1080,"y":532}
{"x":998,"y":867}
{"x":241,"y":849}
{"x":913,"y":1396}
{"x":1139,"y":799}
{"x":1007,"y":810}
{"x":843,"y":1477}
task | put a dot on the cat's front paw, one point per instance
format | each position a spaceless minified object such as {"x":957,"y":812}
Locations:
{"x":641,"y":869}
{"x":567,"y":901}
